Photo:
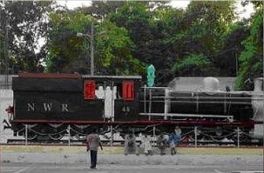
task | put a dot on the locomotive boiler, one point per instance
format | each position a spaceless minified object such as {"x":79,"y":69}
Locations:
{"x":51,"y":105}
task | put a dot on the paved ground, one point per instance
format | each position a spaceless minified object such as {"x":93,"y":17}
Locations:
{"x":35,"y":159}
{"x":111,"y":168}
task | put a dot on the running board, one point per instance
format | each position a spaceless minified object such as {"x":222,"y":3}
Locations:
{"x":229,"y":117}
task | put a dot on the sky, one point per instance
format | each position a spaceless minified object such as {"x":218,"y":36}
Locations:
{"x":244,"y":12}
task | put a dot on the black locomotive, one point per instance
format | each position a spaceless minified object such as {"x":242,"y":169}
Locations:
{"x":46,"y":105}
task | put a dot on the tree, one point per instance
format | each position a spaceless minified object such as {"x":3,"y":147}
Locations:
{"x":200,"y":31}
{"x":140,"y":19}
{"x":23,"y":23}
{"x":227,"y":57}
{"x":207,"y":23}
{"x":67,"y":52}
{"x":114,"y":51}
{"x":192,"y":65}
{"x":251,"y":58}
{"x":134,"y":16}
{"x":165,"y":22}
{"x":101,"y":9}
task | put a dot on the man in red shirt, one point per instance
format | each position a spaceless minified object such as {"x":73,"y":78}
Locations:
{"x":93,"y":142}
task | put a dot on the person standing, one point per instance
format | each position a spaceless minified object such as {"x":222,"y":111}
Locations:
{"x":93,"y":142}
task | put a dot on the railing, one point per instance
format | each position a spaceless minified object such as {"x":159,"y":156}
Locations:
{"x":190,"y":138}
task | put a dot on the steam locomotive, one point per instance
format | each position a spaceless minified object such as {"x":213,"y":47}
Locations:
{"x":52,"y":105}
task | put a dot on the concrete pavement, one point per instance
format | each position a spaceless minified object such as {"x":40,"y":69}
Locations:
{"x":121,"y":159}
{"x":68,"y":159}
{"x":113,"y":168}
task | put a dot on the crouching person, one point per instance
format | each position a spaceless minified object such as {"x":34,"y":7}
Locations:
{"x":174,"y":140}
{"x":146,"y":144}
{"x":130,"y":144}
{"x":93,"y":142}
{"x":162,"y":143}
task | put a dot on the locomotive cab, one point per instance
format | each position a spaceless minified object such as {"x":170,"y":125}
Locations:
{"x":118,"y":94}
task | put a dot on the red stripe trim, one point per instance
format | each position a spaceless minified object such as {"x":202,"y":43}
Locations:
{"x":146,"y":122}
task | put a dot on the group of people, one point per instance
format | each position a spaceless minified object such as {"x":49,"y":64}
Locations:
{"x":162,"y":141}
{"x":130,"y":146}
{"x":172,"y":141}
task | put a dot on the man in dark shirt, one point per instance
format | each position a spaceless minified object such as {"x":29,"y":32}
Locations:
{"x":93,"y":142}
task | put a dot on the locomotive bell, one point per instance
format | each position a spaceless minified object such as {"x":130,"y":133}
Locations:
{"x":211,"y":84}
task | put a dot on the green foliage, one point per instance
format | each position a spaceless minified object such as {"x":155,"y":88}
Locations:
{"x":227,"y":57}
{"x":134,"y":16}
{"x":66,"y":50}
{"x":203,"y":39}
{"x":69,"y":53}
{"x":22,"y":25}
{"x":251,"y":59}
{"x":209,"y":21}
{"x":200,"y":30}
{"x":74,"y":21}
{"x":193,"y":63}
{"x":102,"y":9}
{"x":114,"y":50}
